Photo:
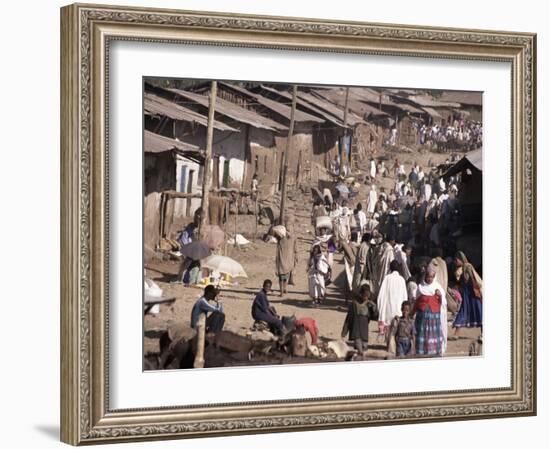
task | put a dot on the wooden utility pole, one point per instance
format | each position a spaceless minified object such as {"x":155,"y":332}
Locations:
{"x":256,"y":216}
{"x":288,"y":149}
{"x":207,"y":178}
{"x":346,"y":107}
{"x":344,"y":154}
{"x":201,"y":335}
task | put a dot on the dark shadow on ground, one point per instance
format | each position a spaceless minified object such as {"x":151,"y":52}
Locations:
{"x":337,"y":304}
{"x":154,"y":333}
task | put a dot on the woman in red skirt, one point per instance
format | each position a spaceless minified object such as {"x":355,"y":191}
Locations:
{"x":429,"y":307}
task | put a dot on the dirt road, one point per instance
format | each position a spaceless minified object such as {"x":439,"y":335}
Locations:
{"x":258,"y":259}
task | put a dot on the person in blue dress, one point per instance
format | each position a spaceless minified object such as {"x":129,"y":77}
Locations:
{"x":470,"y":286}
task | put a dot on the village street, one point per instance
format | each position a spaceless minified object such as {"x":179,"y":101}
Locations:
{"x":258,"y":259}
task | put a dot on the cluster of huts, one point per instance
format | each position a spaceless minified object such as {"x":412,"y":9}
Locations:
{"x":251,"y":125}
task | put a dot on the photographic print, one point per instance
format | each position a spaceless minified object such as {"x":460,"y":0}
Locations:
{"x":291,"y":223}
{"x":219,"y":218}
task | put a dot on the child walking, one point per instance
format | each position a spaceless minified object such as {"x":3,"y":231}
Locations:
{"x":402,"y":332}
{"x":356,"y":323}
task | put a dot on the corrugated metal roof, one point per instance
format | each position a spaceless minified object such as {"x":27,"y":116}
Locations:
{"x":305,"y":104}
{"x":432,"y":112}
{"x":158,"y":105}
{"x":233,"y":111}
{"x":279,"y":108}
{"x":372,"y":96}
{"x":330,"y":108}
{"x":469,"y":98}
{"x":425,"y":100}
{"x":338,"y":96}
{"x":410,"y":108}
{"x":400,"y":91}
{"x":155,"y":143}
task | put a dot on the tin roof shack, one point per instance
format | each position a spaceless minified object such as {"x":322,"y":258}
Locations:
{"x":469,"y":170}
{"x":470,"y":103}
{"x":315,"y":139}
{"x":231,"y":148}
{"x":160,"y":174}
{"x":266,"y":150}
{"x":173,"y":121}
{"x":435,"y":110}
{"x":368,"y":135}
{"x":399,"y":113}
{"x":330,"y":138}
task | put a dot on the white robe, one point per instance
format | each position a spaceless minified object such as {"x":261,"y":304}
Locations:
{"x":373,"y":198}
{"x":361,"y":220}
{"x":427,"y":192}
{"x":372,"y":169}
{"x":393,"y":292}
{"x":316,"y":278}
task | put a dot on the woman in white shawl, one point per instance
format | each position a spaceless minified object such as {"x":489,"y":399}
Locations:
{"x":431,"y":316}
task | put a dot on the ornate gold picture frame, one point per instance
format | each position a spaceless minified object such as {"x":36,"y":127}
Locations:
{"x":87,"y":31}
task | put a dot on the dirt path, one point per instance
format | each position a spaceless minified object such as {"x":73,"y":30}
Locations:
{"x":258,"y":259}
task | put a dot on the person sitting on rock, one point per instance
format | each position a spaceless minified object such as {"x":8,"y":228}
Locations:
{"x":262,"y":311}
{"x":216,"y":319}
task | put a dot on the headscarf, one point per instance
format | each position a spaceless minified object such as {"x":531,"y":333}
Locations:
{"x":429,"y":290}
{"x":470,"y":274}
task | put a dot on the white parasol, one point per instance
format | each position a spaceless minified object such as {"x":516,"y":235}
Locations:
{"x":224,"y":265}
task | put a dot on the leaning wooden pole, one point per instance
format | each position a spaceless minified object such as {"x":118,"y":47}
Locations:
{"x":287,"y":151}
{"x":201,"y":335}
{"x":344,"y":153}
{"x":207,"y":177}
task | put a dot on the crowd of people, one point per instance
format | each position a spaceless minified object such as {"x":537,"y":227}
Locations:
{"x":404,"y":268}
{"x":397,"y":269}
{"x":458,"y":134}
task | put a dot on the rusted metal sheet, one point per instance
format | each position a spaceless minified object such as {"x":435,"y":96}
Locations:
{"x":432,"y":112}
{"x":329,"y":117}
{"x":155,"y":143}
{"x":426,"y":100}
{"x":233,"y":111}
{"x":156,"y":105}
{"x":465,"y":98}
{"x":338,"y":96}
{"x":330,"y":108}
{"x":278,"y":107}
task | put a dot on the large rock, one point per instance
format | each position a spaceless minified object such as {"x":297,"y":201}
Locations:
{"x":339,"y":348}
{"x":232,"y":342}
{"x":179,"y":330}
